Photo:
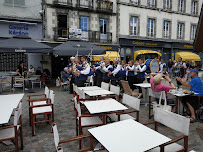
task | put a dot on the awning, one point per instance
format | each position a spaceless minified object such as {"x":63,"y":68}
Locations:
{"x":136,"y":53}
{"x":187,"y":56}
{"x":74,"y":45}
{"x":23,"y":44}
{"x":109,"y":54}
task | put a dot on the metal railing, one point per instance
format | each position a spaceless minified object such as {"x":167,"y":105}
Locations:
{"x":88,"y":4}
{"x":63,"y":2}
{"x":104,"y":5}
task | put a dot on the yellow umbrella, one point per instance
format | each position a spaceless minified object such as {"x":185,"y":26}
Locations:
{"x":109,"y":54}
{"x":187,"y":56}
{"x":136,"y":53}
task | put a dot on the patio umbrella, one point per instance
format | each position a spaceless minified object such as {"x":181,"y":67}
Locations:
{"x":74,"y":45}
{"x":23,"y":44}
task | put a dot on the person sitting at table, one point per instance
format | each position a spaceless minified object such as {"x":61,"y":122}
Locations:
{"x":191,"y":102}
{"x":65,"y":76}
{"x":31,"y":69}
{"x":20,"y":69}
{"x":155,"y":81}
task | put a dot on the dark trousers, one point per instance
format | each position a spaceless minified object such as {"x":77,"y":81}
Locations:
{"x":131,"y":81}
{"x":106,"y":81}
{"x":114,"y":82}
{"x":140,"y":81}
{"x":99,"y":80}
{"x":81,"y":83}
{"x":71,"y":85}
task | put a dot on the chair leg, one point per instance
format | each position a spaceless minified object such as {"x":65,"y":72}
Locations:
{"x":33,"y":125}
{"x":16,"y":142}
{"x":40,"y":84}
{"x":21,"y":137}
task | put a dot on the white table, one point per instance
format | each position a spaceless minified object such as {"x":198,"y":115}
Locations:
{"x":100,"y":106}
{"x":128,"y":136}
{"x":92,"y":93}
{"x":145,"y":86}
{"x":89,"y":88}
{"x":7,"y":104}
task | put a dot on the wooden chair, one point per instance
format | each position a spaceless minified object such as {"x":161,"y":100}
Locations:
{"x":42,"y":99}
{"x":58,"y":142}
{"x":105,"y":86}
{"x":157,"y":95}
{"x":134,"y":106}
{"x":128,"y":91}
{"x":19,"y":83}
{"x":86,"y":120}
{"x":11,"y":132}
{"x":115,"y":90}
{"x":175,"y":122}
{"x":43,"y":109}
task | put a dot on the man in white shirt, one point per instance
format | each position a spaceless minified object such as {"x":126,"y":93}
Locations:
{"x":141,"y":72}
{"x":113,"y":74}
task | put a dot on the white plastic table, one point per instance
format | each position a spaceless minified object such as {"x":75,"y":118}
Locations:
{"x":89,"y":88}
{"x":128,"y":136}
{"x":100,"y":106}
{"x":92,"y":93}
{"x":7,"y":104}
{"x":145,"y":86}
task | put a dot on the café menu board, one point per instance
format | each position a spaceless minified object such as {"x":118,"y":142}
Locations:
{"x":154,"y":66}
{"x":10,"y":61}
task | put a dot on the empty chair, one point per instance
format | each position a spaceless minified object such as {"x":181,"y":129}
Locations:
{"x":134,"y":106}
{"x":58,"y":142}
{"x":86,"y":120}
{"x":35,"y":79}
{"x":116,"y":90}
{"x":43,"y":109}
{"x":12,"y":132}
{"x":19,"y":83}
{"x":6,"y":82}
{"x":128,"y":91}
{"x":175,"y":122}
{"x":105,"y":86}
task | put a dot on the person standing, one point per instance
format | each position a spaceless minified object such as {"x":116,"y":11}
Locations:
{"x":141,"y":73}
{"x":83,"y":74}
{"x":20,"y":69}
{"x":105,"y":70}
{"x":136,"y":64}
{"x":71,"y":65}
{"x":162,"y":66}
{"x":170,"y":67}
{"x":130,"y":74}
{"x":98,"y":72}
{"x":113,"y":74}
{"x":191,"y":102}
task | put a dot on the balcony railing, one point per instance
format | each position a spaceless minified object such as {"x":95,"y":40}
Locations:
{"x":103,"y":5}
{"x":62,"y":34}
{"x":63,"y":2}
{"x":85,"y":4}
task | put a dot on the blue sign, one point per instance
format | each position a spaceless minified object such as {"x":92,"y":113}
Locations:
{"x":18,"y":30}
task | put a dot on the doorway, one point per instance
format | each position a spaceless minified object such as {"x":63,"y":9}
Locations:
{"x":62,"y":26}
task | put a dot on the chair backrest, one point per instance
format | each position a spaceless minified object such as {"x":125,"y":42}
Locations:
{"x":46,"y":91}
{"x":56,"y":138}
{"x":155,"y":94}
{"x":17,"y":114}
{"x":105,"y":86}
{"x":81,"y":93}
{"x":6,"y":79}
{"x":77,"y":106}
{"x":131,"y":101}
{"x":19,"y":80}
{"x":126,"y":87}
{"x":172,"y":120}
{"x":115,"y":89}
{"x":51,"y":96}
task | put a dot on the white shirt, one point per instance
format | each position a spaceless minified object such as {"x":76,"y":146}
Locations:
{"x":115,"y":71}
{"x":143,"y":68}
{"x":130,"y":68}
{"x":86,"y":69}
{"x":135,"y":69}
{"x":106,"y":68}
{"x":161,"y":68}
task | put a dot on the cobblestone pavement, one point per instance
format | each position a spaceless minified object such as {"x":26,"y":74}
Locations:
{"x":65,"y":120}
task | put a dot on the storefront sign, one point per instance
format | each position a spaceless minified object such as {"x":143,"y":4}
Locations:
{"x":105,"y":47}
{"x":19,"y":50}
{"x":109,"y":47}
{"x":18,"y":30}
{"x":144,"y":44}
{"x":182,"y":46}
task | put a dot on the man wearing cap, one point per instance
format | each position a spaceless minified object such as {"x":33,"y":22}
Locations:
{"x":83,"y":74}
{"x":191,"y":102}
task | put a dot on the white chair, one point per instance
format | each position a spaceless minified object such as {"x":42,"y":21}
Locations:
{"x":6,"y":82}
{"x":58,"y":142}
{"x":42,"y":109}
{"x":85,"y":120}
{"x":105,"y":86}
{"x":176,"y":122}
{"x":35,"y":79}
{"x":131,"y":102}
{"x":19,"y":83}
{"x":11,"y":132}
{"x":116,"y":90}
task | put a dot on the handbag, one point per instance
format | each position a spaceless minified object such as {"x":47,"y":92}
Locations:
{"x":159,"y":105}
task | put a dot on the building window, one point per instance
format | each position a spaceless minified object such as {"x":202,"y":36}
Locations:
{"x":193,"y":32}
{"x":15,"y":2}
{"x":167,"y":4}
{"x":135,"y":2}
{"x":151,"y":3}
{"x":180,"y":31}
{"x":103,"y":24}
{"x":84,"y":24}
{"x":151,"y":27}
{"x":133,"y":25}
{"x":62,"y":29}
{"x":194,"y":7}
{"x":166,"y":29}
{"x":181,"y":6}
